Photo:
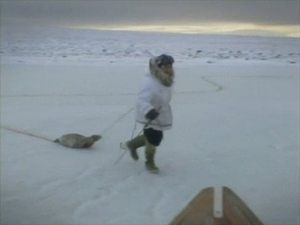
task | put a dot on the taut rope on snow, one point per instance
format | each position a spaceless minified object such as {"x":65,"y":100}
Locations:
{"x":124,"y":151}
{"x":27,"y":133}
{"x":132,"y":134}
{"x":117,"y":120}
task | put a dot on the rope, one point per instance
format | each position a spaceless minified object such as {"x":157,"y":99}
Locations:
{"x":117,"y":120}
{"x":27,"y":133}
{"x":124,"y":151}
{"x":23,"y":132}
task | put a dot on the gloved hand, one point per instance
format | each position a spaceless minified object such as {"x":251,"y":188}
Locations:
{"x":152,"y":114}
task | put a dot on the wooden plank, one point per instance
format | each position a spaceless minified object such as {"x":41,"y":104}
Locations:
{"x":216,"y":206}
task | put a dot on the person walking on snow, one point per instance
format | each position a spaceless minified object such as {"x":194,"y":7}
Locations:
{"x":153,"y":109}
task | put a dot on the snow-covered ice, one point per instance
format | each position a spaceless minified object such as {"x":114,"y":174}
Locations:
{"x":236,"y":124}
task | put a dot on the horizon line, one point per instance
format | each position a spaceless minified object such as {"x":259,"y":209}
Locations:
{"x":238,"y":29}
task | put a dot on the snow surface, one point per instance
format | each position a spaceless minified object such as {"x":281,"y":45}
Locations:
{"x":236,"y":124}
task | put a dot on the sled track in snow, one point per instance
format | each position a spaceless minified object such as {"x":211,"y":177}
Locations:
{"x":217,"y":86}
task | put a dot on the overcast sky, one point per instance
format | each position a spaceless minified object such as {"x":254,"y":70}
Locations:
{"x":140,"y":12}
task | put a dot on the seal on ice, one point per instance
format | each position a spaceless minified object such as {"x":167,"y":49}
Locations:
{"x":77,"y":140}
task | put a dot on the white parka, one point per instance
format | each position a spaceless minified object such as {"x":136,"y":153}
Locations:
{"x":155,"y":95}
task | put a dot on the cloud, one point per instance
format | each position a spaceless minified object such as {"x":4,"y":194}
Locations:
{"x":242,"y":17}
{"x":110,"y":12}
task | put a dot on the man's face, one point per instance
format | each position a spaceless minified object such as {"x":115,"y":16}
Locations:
{"x":168,"y":69}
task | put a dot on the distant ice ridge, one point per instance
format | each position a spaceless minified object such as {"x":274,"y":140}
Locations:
{"x":60,"y":46}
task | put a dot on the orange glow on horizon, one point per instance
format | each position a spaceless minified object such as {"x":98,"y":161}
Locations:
{"x":208,"y":28}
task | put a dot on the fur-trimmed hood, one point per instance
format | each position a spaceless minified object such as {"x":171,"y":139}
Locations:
{"x":165,"y":79}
